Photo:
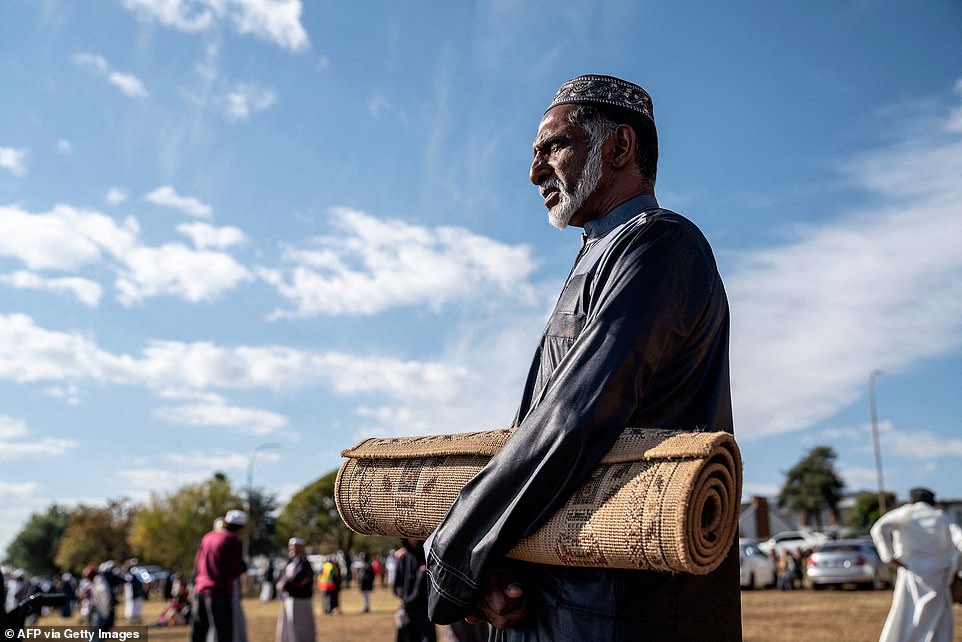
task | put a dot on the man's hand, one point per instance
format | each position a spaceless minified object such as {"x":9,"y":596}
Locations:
{"x":501,"y":602}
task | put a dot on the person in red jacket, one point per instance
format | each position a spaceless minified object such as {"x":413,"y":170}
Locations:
{"x":219,"y":562}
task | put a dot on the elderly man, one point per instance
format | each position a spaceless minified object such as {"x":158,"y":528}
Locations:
{"x":296,"y":623}
{"x":926,"y":546}
{"x":638,"y":337}
{"x":219,"y":562}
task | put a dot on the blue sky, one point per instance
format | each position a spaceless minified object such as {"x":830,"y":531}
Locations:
{"x":228,"y":223}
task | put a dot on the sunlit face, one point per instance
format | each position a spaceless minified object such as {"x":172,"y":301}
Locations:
{"x":566,"y":167}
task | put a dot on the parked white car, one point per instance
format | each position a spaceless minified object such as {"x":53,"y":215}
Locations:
{"x":756,"y":569}
{"x":792,"y":541}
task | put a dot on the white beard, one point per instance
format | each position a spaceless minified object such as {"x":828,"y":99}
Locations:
{"x":571,"y":202}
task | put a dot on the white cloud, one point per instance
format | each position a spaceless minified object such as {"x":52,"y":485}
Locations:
{"x":276,"y":21}
{"x":69,"y":239}
{"x":64,"y":146}
{"x":92,"y":62}
{"x":253,"y":421}
{"x":18,"y":490}
{"x":151,"y":480}
{"x":115,"y":195}
{"x":167,"y":196}
{"x":86,"y":291}
{"x":880,"y":287}
{"x":175,"y":269}
{"x":128,"y":84}
{"x":12,"y":428}
{"x":920,"y":445}
{"x":69,"y":394}
{"x":371,"y":265}
{"x":246,"y":99}
{"x":46,"y":448}
{"x":13,"y":160}
{"x":29,"y":353}
{"x":12,"y":447}
{"x":65,"y":238}
{"x":377,"y":104}
{"x":206,"y":236}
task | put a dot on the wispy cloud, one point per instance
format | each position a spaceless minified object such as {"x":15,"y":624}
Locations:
{"x":254,"y":421}
{"x":86,"y":291}
{"x":167,"y":196}
{"x":276,"y":21}
{"x":14,"y":444}
{"x":115,"y":195}
{"x":375,"y":264}
{"x":880,"y":287}
{"x":206,"y":236}
{"x":14,"y":160}
{"x":246,"y":99}
{"x":129,"y":84}
{"x":64,"y":146}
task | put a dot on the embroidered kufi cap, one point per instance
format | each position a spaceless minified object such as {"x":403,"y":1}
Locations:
{"x":593,"y":89}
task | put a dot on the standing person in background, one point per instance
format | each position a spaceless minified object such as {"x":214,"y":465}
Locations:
{"x":68,"y":586}
{"x":296,"y":623}
{"x":133,"y":594}
{"x":105,"y":582}
{"x":268,"y":588}
{"x":378,"y":567}
{"x":411,"y":585}
{"x":365,"y":580}
{"x":329,"y":584}
{"x":219,"y":562}
{"x":926,"y":546}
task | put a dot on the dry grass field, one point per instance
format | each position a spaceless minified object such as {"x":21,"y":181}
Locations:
{"x":768,"y":616}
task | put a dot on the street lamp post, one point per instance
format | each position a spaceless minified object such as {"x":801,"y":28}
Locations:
{"x":878,"y":452}
{"x":250,"y":489}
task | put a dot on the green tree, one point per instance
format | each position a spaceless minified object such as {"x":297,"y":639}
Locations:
{"x":866,"y":510}
{"x":168,"y":529}
{"x":35,"y":546}
{"x":812,"y":485}
{"x":262,"y":523}
{"x":96,"y":534}
{"x":312,"y":515}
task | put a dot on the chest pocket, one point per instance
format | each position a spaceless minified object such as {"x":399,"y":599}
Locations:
{"x":568,"y":319}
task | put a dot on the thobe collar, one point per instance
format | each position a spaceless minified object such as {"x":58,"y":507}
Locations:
{"x":621,"y":214}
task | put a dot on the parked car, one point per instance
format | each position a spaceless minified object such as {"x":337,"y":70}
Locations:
{"x":756,"y":569}
{"x":847,"y":561}
{"x":153,"y":577}
{"x":792,"y":541}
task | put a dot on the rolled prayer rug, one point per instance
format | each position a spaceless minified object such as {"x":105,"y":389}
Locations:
{"x":661,"y":500}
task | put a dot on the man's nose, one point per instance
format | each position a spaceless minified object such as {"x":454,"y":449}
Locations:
{"x":539,"y":171}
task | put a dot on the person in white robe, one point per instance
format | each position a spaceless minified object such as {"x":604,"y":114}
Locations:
{"x":920,"y":539}
{"x":296,"y":622}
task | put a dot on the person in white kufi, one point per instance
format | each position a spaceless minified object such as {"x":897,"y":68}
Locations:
{"x":927,"y":548}
{"x":296,"y":622}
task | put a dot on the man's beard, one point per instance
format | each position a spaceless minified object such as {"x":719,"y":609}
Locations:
{"x":571,"y":202}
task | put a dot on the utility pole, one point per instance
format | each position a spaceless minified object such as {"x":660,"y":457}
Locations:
{"x":878,"y":452}
{"x":250,"y":492}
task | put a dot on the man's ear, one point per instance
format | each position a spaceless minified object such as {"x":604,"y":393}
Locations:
{"x":623,"y":147}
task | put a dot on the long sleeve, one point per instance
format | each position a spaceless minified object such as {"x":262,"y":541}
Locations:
{"x":641,"y":338}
